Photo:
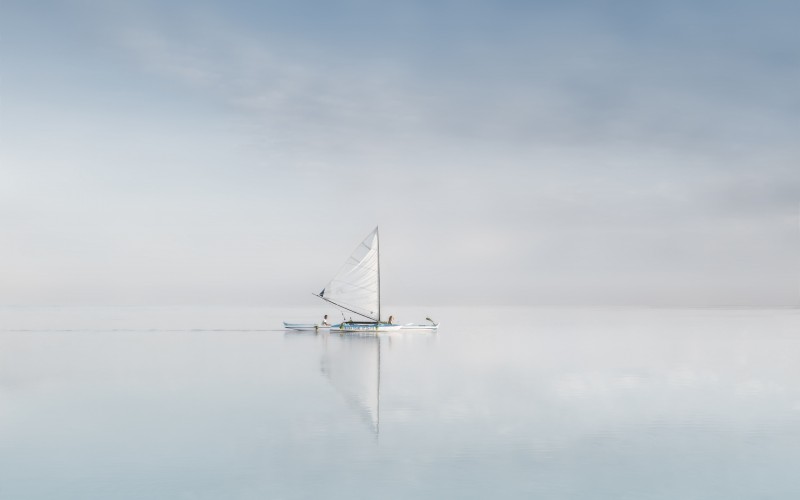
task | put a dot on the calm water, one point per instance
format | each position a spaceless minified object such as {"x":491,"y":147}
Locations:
{"x":213,"y":403}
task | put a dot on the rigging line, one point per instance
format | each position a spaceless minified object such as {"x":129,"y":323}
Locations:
{"x":346,"y":308}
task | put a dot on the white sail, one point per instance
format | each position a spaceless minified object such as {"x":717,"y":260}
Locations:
{"x":356,"y":287}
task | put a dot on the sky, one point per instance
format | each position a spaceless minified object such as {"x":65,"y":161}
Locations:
{"x":512,"y":153}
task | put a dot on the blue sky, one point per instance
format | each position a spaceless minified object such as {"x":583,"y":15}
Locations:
{"x":512,"y":152}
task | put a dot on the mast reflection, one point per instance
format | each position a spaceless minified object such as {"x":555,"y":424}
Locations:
{"x":352,"y":364}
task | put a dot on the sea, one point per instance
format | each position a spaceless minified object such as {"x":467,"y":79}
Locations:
{"x":504,"y":402}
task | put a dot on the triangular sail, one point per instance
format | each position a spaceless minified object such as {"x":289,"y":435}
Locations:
{"x":356,"y":287}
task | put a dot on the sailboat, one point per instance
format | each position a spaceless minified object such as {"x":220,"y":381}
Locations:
{"x":357,"y":288}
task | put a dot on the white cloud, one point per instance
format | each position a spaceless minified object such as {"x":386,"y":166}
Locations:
{"x":590,"y":154}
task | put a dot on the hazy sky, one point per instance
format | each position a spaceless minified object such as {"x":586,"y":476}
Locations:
{"x":521,"y":152}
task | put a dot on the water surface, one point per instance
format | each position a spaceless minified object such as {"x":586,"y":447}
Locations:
{"x":213,"y":403}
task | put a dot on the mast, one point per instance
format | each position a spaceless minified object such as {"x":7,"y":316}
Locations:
{"x":378,"y":240}
{"x":378,"y":397}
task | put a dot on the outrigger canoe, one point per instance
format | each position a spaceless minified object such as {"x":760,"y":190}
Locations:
{"x":306,"y":326}
{"x":364,"y":327}
{"x":425,"y":327}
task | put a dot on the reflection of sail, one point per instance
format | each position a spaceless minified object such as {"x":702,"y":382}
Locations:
{"x":352,"y":364}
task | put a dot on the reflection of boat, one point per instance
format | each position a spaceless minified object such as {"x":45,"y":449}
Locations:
{"x":357,"y":288}
{"x":352,"y":363}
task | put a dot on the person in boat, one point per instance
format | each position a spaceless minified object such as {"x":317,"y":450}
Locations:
{"x":391,"y":319}
{"x":325,"y":321}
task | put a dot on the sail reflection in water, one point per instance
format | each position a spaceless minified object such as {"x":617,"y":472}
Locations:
{"x":352,"y":363}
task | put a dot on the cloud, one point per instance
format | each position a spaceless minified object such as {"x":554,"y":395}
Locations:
{"x":598,"y":151}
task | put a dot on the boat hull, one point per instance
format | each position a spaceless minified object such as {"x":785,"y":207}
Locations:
{"x":360,"y":327}
{"x":366,"y":328}
{"x":426,"y":328}
{"x":304,"y":326}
